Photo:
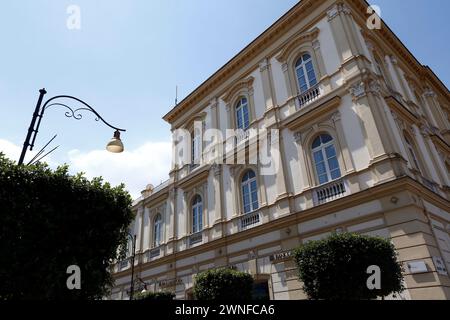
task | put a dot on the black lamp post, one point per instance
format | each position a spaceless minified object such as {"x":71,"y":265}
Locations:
{"x":115,"y":145}
{"x":133,"y":239}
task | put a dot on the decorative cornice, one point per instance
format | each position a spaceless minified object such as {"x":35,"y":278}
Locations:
{"x":309,"y":36}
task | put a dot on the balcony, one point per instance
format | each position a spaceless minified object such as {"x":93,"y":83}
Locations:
{"x":195,"y":238}
{"x":329,"y":192}
{"x":250,"y":220}
{"x":308,"y":96}
{"x":242,"y":136}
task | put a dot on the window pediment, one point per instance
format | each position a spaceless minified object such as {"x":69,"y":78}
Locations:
{"x":306,"y":37}
{"x":244,"y":84}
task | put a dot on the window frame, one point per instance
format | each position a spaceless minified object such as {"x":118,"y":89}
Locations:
{"x":239,"y":111}
{"x":157,"y":230}
{"x":302,"y":66}
{"x":322,"y":147}
{"x":196,"y":214}
{"x":248,"y":183}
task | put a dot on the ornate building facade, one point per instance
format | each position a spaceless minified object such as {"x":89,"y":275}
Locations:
{"x":364,"y":141}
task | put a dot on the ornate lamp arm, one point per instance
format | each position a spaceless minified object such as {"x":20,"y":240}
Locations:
{"x":72,"y":113}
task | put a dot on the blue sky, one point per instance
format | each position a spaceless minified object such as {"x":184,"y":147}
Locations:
{"x":127,"y":59}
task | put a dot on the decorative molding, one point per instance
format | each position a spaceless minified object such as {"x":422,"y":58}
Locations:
{"x":429,"y":93}
{"x":375,"y":87}
{"x":309,"y":36}
{"x":317,"y":110}
{"x":336,"y":10}
{"x":264,"y":65}
{"x":242,"y":84}
{"x":298,"y":136}
{"x":336,"y":116}
{"x":358,"y":90}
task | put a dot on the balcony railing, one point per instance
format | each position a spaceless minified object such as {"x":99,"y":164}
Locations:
{"x":308,"y":96}
{"x":195,"y":238}
{"x":242,"y":136}
{"x":250,"y":220}
{"x":329,"y":192}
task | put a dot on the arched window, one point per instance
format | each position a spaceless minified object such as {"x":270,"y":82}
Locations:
{"x":249,"y":192}
{"x":197,"y":214}
{"x":325,"y":159}
{"x":242,"y":118}
{"x":304,"y":70}
{"x":412,"y":153}
{"x":157,"y":230}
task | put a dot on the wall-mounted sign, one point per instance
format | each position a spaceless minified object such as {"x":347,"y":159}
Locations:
{"x":417,"y":266}
{"x":440,"y":266}
{"x":281,"y":256}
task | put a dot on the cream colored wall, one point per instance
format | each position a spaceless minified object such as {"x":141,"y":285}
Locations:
{"x":353,"y":133}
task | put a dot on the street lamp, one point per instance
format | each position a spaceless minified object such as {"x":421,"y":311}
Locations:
{"x":133,"y":239}
{"x":115,"y":145}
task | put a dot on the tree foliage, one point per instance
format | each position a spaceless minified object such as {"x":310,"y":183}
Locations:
{"x":223,"y":284}
{"x":154,"y":296}
{"x":50,"y":220}
{"x":336,"y":268}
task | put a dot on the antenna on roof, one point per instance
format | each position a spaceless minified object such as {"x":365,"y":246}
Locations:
{"x":176,"y":95}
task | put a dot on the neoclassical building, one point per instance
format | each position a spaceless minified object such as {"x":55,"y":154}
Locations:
{"x":364,"y":141}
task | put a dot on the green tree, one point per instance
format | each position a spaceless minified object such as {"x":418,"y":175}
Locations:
{"x":50,"y":220}
{"x":336,"y":268}
{"x":223,"y":284}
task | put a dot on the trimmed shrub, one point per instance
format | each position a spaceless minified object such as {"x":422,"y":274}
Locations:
{"x":223,"y":284}
{"x":336,"y":268}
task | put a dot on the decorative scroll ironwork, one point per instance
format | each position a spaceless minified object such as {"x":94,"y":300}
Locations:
{"x":75,"y":113}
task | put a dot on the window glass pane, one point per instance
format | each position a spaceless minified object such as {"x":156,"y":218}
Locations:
{"x":335,"y":174}
{"x":333,"y":163}
{"x":238,"y":117}
{"x":316,"y":143}
{"x":199,"y":217}
{"x":318,"y":156}
{"x":306,"y":56}
{"x":321,"y":169}
{"x":246,"y":118}
{"x":301,"y":79}
{"x":299,"y":62}
{"x":323,"y":179}
{"x":325,"y":138}
{"x":330,"y":151}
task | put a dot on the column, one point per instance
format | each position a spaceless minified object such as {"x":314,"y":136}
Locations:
{"x":218,"y":214}
{"x":267,"y":84}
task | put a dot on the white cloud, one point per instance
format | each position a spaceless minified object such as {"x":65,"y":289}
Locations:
{"x":149,"y":163}
{"x":10,"y":149}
